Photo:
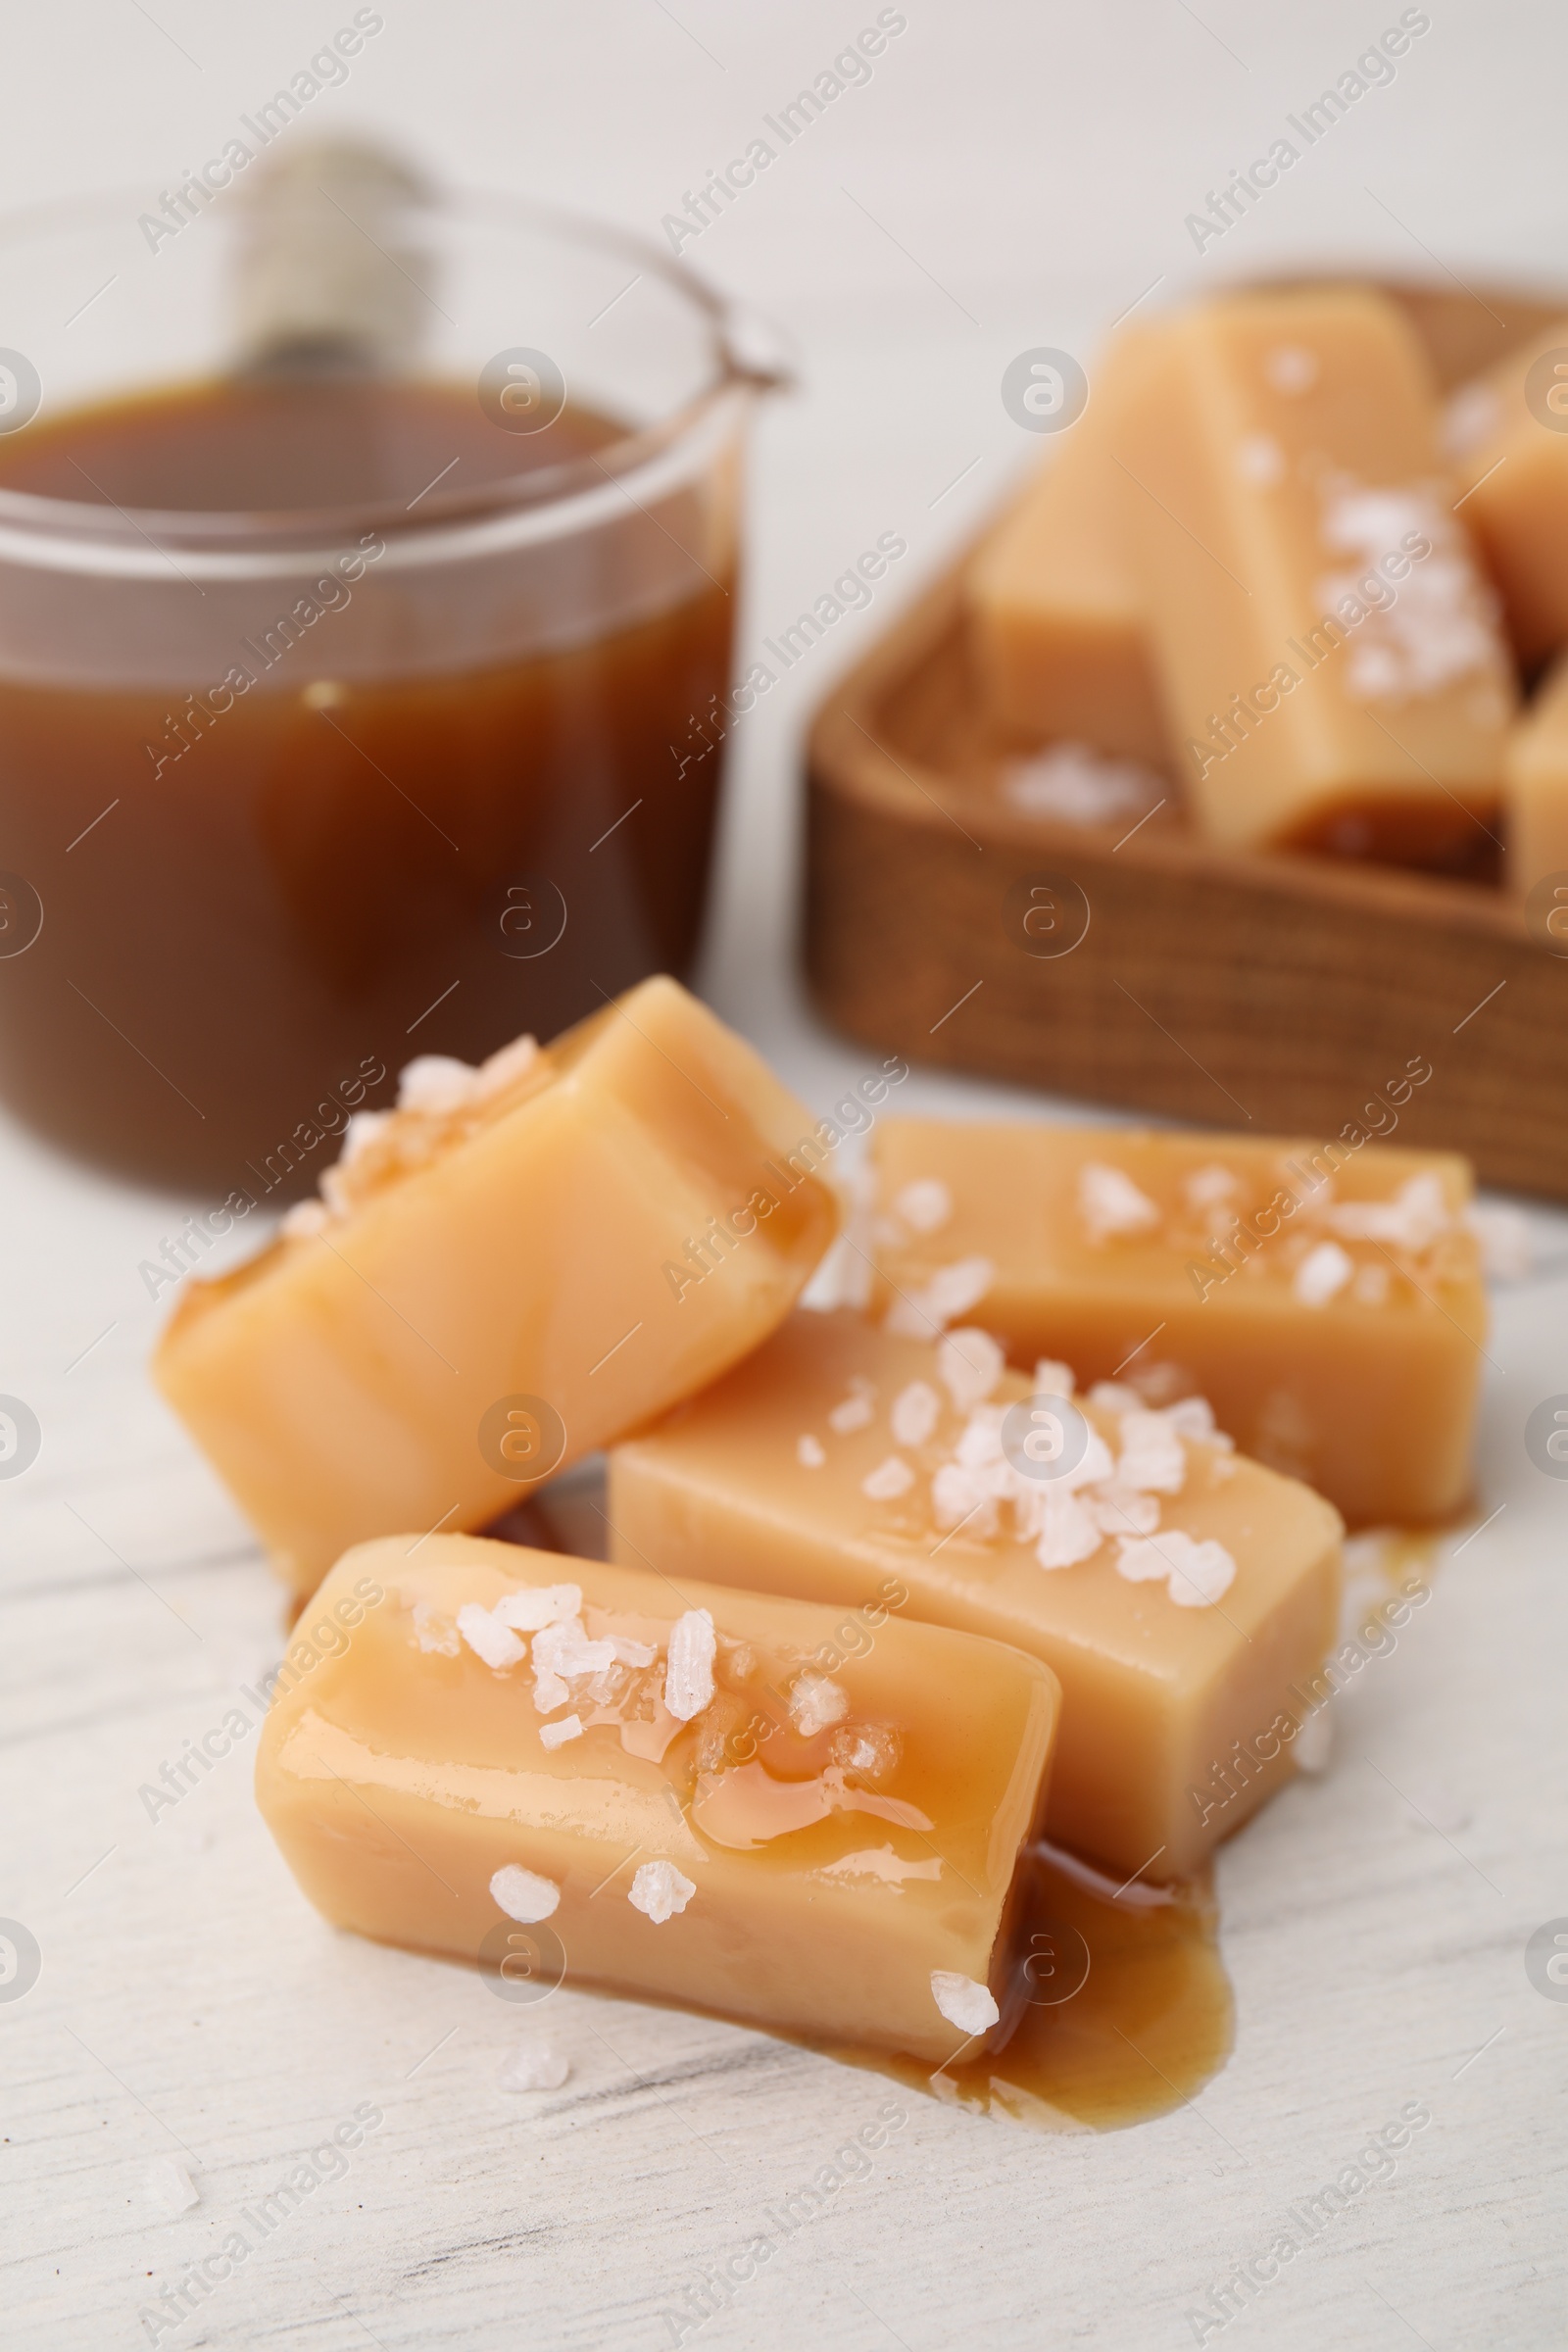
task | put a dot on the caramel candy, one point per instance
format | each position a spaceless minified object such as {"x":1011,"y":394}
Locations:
{"x":804,"y":1817}
{"x":1327,"y":1298}
{"x":1057,"y":626}
{"x":1508,"y":435}
{"x":1536,"y":806}
{"x":1326,"y":646}
{"x":1175,"y":1588}
{"x":510,"y":1269}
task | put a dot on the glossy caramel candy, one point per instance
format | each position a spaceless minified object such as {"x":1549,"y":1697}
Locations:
{"x":510,"y":1269}
{"x":804,"y":1817}
{"x":1176,"y":1590}
{"x":1326,"y":1297}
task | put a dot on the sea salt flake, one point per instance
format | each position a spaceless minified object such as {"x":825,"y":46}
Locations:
{"x":534,"y":2066}
{"x":556,"y":1734}
{"x":1203,"y":1572}
{"x":1207,"y":1186}
{"x":658,"y":1891}
{"x":524,"y":1894}
{"x":434,"y":1083}
{"x":689,"y":1668}
{"x":435,"y":1633}
{"x":1053,"y":1379}
{"x":809,"y":1452}
{"x":496,"y":1644}
{"x":924,"y":1205}
{"x":1121,"y":1510}
{"x":952,"y":1292}
{"x":364,"y":1129}
{"x":564,"y":1649}
{"x":889,"y":1479}
{"x":1069,"y":1533}
{"x":969,"y":1365}
{"x":1291,"y":368}
{"x":1143,"y":1562}
{"x":629,"y":1652}
{"x":1153,"y":1456}
{"x":1259,"y":459}
{"x":1080,"y":785}
{"x":916,"y":1413}
{"x":816,"y":1702}
{"x":305,"y":1218}
{"x":502,"y":1068}
{"x":1415,"y":1218}
{"x":966,"y":2004}
{"x":855,"y":1412}
{"x":1110,"y":1203}
{"x":1507,"y":1250}
{"x":535,"y":1606}
{"x":167,"y":2186}
{"x":1322,"y":1274}
{"x":1193,"y":1419}
{"x":959,"y":1498}
{"x":1116,"y":1397}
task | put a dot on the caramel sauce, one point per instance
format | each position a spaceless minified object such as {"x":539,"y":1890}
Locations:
{"x":1120,"y":2009}
{"x":314,"y":886}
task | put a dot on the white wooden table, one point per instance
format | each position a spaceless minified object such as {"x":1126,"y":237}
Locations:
{"x":190,"y":2006}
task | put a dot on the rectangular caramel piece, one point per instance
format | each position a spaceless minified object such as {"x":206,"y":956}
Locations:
{"x":1176,"y":1590}
{"x":1536,"y":812}
{"x":508,"y":1272}
{"x":1330,"y":663}
{"x":1508,"y":435}
{"x":1056,"y":622}
{"x":1327,"y":1298}
{"x":794,"y":1816}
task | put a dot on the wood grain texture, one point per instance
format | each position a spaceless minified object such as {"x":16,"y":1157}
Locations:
{"x":1236,"y":989}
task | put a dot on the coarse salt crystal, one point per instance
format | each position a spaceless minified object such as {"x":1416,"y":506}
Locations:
{"x":816,"y":1702}
{"x":535,"y":2066}
{"x":556,"y":1734}
{"x":689,"y":1667}
{"x":1207,"y":1186}
{"x":1203,"y":1573}
{"x":435,"y":1633}
{"x":1110,"y":1203}
{"x":915,"y":1412}
{"x":959,"y":1495}
{"x":435,"y":1083}
{"x":1116,"y":1397}
{"x":1153,"y":1457}
{"x":1506,"y":1252}
{"x":889,"y":1479}
{"x":630,"y":1652}
{"x":1322,"y":1274}
{"x":1053,"y":1379}
{"x":1194,"y":1417}
{"x":809,"y":1452}
{"x":969,"y":1365}
{"x":496,"y":1644}
{"x":499,"y":1071}
{"x":924,"y":1205}
{"x":535,"y":1606}
{"x":1080,"y":785}
{"x":855,"y":1412}
{"x":1259,"y":459}
{"x":1291,"y":368}
{"x":1143,"y":1562}
{"x":305,"y":1218}
{"x":562,"y":1648}
{"x":1416,"y":1216}
{"x":524,"y":1894}
{"x":1123,"y":1511}
{"x":169,"y":2187}
{"x":658,"y":1891}
{"x":969,"y":2006}
{"x":950,"y":1293}
{"x":363,"y":1130}
{"x":1068,"y":1533}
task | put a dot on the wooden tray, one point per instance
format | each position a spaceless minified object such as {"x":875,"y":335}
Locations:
{"x":1278,"y":992}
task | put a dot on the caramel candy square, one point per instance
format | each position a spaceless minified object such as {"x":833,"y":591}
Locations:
{"x":1536,"y":810}
{"x":514,"y":1267}
{"x":1055,"y":621}
{"x":1327,"y":648}
{"x":1175,"y":1590}
{"x":1508,"y":435}
{"x":565,"y":1769}
{"x":1327,"y":1298}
